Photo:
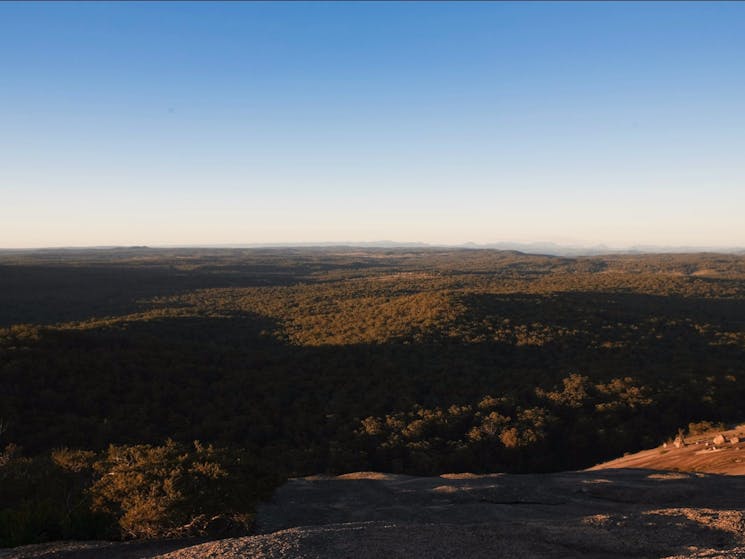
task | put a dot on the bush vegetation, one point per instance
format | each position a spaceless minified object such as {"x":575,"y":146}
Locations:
{"x":294,"y":362}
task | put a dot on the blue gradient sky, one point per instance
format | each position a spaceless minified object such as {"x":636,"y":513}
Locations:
{"x":196,"y":123}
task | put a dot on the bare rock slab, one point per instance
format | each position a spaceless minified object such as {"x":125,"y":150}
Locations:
{"x":602,"y":514}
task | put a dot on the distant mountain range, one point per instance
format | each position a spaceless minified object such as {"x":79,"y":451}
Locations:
{"x":528,"y":248}
{"x":548,"y":248}
{"x":579,"y":250}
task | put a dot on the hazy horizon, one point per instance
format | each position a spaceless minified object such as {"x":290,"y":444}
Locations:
{"x":537,"y":247}
{"x":194,"y":124}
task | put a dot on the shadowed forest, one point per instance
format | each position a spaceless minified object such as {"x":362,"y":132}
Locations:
{"x":153,"y":392}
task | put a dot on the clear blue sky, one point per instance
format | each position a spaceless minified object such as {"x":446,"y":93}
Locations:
{"x":209,"y":123}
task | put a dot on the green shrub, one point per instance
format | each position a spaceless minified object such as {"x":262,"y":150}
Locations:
{"x":174,"y":490}
{"x":41,"y":501}
{"x":137,"y":491}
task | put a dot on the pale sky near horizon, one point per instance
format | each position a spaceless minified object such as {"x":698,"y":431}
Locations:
{"x":208,"y":123}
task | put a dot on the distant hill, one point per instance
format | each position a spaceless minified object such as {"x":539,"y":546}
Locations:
{"x":538,"y":247}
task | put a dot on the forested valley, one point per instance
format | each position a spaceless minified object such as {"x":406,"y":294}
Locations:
{"x":164,"y":392}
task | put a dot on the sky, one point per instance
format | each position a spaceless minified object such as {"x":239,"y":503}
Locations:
{"x":215,"y":123}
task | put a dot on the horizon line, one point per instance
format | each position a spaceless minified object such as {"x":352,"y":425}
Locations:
{"x":545,"y":247}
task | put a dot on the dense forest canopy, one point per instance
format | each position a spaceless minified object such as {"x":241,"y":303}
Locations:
{"x":286,"y":362}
